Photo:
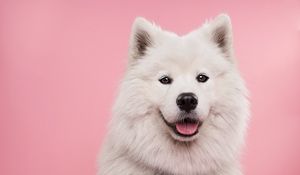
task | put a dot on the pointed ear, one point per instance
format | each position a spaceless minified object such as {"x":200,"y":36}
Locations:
{"x":142,"y":38}
{"x":220,"y":32}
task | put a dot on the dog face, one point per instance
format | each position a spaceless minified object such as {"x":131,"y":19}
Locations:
{"x":181,"y":75}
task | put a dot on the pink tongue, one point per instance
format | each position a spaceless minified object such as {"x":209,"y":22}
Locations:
{"x":186,"y":128}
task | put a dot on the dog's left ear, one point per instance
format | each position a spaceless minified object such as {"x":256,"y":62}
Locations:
{"x":220,"y":32}
{"x":142,"y":38}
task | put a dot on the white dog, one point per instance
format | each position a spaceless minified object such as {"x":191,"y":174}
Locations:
{"x":182,"y":108}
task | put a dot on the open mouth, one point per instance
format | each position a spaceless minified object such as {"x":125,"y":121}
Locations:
{"x":186,"y":127}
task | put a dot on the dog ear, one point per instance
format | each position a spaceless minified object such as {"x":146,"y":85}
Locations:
{"x":220,"y":32}
{"x":142,"y":38}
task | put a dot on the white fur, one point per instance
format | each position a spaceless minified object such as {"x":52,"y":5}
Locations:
{"x":140,"y":143}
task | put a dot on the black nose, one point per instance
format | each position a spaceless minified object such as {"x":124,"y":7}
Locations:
{"x":187,"y":101}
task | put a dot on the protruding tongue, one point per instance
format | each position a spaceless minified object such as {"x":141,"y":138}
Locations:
{"x":187,"y":128}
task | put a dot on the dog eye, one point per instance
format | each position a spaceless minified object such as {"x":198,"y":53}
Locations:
{"x":202,"y":78}
{"x":165,"y":80}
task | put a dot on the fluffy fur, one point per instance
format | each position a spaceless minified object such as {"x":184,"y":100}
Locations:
{"x":139,"y":142}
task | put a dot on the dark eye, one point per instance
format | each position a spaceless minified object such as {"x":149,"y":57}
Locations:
{"x":202,"y":78}
{"x":165,"y":80}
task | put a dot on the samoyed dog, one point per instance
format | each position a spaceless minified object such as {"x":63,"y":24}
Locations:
{"x":182,"y":108}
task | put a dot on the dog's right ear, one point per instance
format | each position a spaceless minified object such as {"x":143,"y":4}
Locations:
{"x":142,"y":38}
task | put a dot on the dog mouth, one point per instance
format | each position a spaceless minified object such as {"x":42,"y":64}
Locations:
{"x":185,"y":127}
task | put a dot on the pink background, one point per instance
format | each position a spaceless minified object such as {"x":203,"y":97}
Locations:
{"x":61,"y":61}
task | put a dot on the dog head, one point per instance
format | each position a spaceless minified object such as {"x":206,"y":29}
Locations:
{"x":182,"y":77}
{"x":182,"y":101}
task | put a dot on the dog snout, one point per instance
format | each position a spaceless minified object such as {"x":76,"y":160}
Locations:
{"x":187,"y":101}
